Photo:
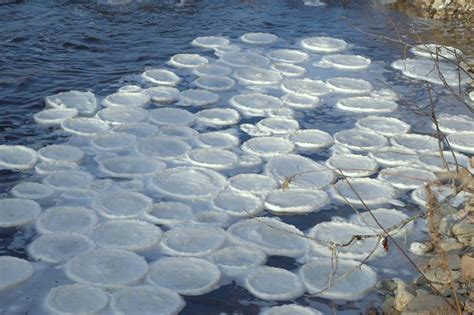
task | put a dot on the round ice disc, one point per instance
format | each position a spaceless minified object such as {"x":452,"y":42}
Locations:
{"x":252,"y":183}
{"x":186,"y":276}
{"x":390,"y":219}
{"x":14,"y":271}
{"x":386,"y":126}
{"x":258,"y":76}
{"x":214,"y":158}
{"x":360,"y":140}
{"x":210,"y":42}
{"x":258,"y":38}
{"x":161,"y":77}
{"x":419,"y":143}
{"x":349,"y":85}
{"x":212,"y":70}
{"x":267,"y":147}
{"x":352,"y":165}
{"x":17,"y":157}
{"x":83,"y":126}
{"x":362,"y":191}
{"x":196,"y":97}
{"x":305,"y":87}
{"x":255,"y":104}
{"x":170,"y":213}
{"x":420,"y":195}
{"x":107,"y":268}
{"x":434,"y":51}
{"x":130,"y":167}
{"x":238,"y":203}
{"x":31,"y":190}
{"x":288,"y":69}
{"x":122,"y":204}
{"x":299,"y":172}
{"x":295,"y":201}
{"x":386,"y":94}
{"x":212,"y":218}
{"x":69,"y":180}
{"x":218,"y":116}
{"x":187,"y":60}
{"x":321,"y":44}
{"x":218,"y":139}
{"x":299,"y":101}
{"x":311,"y":139}
{"x":451,"y":124}
{"x":60,"y":153}
{"x":139,"y":130}
{"x":133,"y":235}
{"x":84,"y":102}
{"x":188,"y":183}
{"x":435,"y":163}
{"x":394,"y":156}
{"x":44,"y":168}
{"x":130,"y":88}
{"x":178,"y":131}
{"x":350,"y":281}
{"x":243,"y":59}
{"x":76,"y":299}
{"x":147,"y":300}
{"x":270,"y":235}
{"x":54,"y":116}
{"x":214,"y":83}
{"x":122,"y":114}
{"x":113,"y":141}
{"x":56,"y":248}
{"x":192,"y":241}
{"x":166,"y":148}
{"x":344,"y":62}
{"x":366,"y":104}
{"x":403,"y":177}
{"x":126,"y":99}
{"x":278,"y":126}
{"x":274,"y":284}
{"x":236,"y":261}
{"x":288,"y":55}
{"x":66,"y":219}
{"x":291,"y":309}
{"x":171,"y":116}
{"x":463,"y":141}
{"x":163,"y":94}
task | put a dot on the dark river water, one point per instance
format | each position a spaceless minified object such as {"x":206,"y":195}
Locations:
{"x":48,"y":47}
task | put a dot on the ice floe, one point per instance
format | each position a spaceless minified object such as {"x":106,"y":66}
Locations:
{"x":274,"y":284}
{"x":122,"y":204}
{"x":254,"y":183}
{"x":32,"y":190}
{"x":298,"y":101}
{"x":360,"y":191}
{"x":171,"y":116}
{"x":436,"y":52}
{"x":83,"y":126}
{"x":366,"y":104}
{"x":212,"y":70}
{"x":440,"y":192}
{"x":139,"y":130}
{"x":386,"y":126}
{"x":130,"y":166}
{"x":344,"y":62}
{"x":218,"y":116}
{"x":17,"y":157}
{"x":217,"y":139}
{"x":350,"y":85}
{"x":146,"y":300}
{"x":56,"y":248}
{"x":258,"y":38}
{"x":14,"y":271}
{"x":255,"y":104}
{"x":244,"y":59}
{"x":305,"y":87}
{"x":54,"y":116}
{"x":60,"y":152}
{"x":66,"y":219}
{"x":238,"y":203}
{"x":293,"y":309}
{"x":295,"y":201}
{"x":178,"y":131}
{"x":84,"y":102}
{"x":416,"y":142}
{"x":69,"y":180}
{"x":288,"y":69}
{"x":44,"y":168}
{"x":161,"y":77}
{"x":135,"y":99}
{"x":437,"y":163}
{"x":121,"y":115}
{"x":350,"y":281}
{"x":210,"y":42}
{"x":270,"y":235}
{"x":113,"y":141}
{"x":322,"y":44}
{"x":258,"y":76}
{"x":238,"y":261}
{"x":196,"y":97}
{"x":163,"y":94}
{"x":107,"y":268}
{"x":288,"y":55}
{"x":166,"y":148}
{"x":360,"y":140}
{"x":213,"y":158}
{"x":451,"y":124}
{"x":76,"y":299}
{"x":187,"y":60}
{"x":186,"y":276}
{"x":311,"y":139}
{"x":462,"y":141}
{"x":214,"y":83}
{"x":352,"y":165}
{"x":394,"y":156}
{"x":267,"y":147}
{"x":404,"y":177}
{"x":188,"y":183}
{"x":390,"y":219}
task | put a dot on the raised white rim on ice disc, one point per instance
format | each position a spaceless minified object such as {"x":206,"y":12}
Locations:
{"x":299,"y":101}
{"x":76,"y":299}
{"x":122,"y":114}
{"x":66,"y":219}
{"x":172,"y":116}
{"x":170,"y":213}
{"x":162,"y":77}
{"x":212,"y":70}
{"x":305,"y":87}
{"x":388,"y":218}
{"x":290,"y":309}
{"x":135,"y":99}
{"x":463,"y":141}
{"x":185,"y":275}
{"x":187,"y":60}
{"x":197,"y":97}
{"x":253,"y":183}
{"x":403,"y":177}
{"x":352,"y":165}
{"x":218,"y":116}
{"x":255,"y":104}
{"x":107,"y":268}
{"x":31,"y":190}
{"x":288,"y":69}
{"x":238,"y":203}
{"x":163,"y":94}
{"x":386,"y":126}
{"x":451,"y":124}
{"x":162,"y":147}
{"x":84,"y":102}
{"x":14,"y":271}
{"x":130,"y":166}
{"x":17,"y":157}
{"x":113,"y":141}
{"x":236,"y":260}
{"x":394,"y":156}
{"x":295,"y":201}
{"x":69,"y":180}
{"x":122,"y":204}
{"x":243,"y":59}
{"x":214,"y":83}
{"x":210,"y":42}
{"x":84,"y":126}
{"x":288,"y":55}
{"x":258,"y":76}
{"x":313,"y":139}
{"x":259,"y":38}
{"x":267,"y":146}
{"x":344,"y":62}
{"x":213,"y":158}
{"x":371,"y":191}
{"x":320,"y":44}
{"x":350,"y":85}
{"x":54,"y":115}
{"x":360,"y":140}
{"x":60,"y":152}
{"x":274,"y":284}
{"x":366,"y":104}
{"x":419,"y":143}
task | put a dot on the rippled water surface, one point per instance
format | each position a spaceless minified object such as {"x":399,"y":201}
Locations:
{"x":48,"y":47}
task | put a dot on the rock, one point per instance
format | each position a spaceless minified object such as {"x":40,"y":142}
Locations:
{"x":450,"y":244}
{"x":387,"y":307}
{"x":446,"y":225}
{"x":403,"y":295}
{"x":388,"y":285}
{"x":428,"y":305}
{"x":453,"y":259}
{"x":464,"y":231}
{"x":467,"y":268}
{"x":469,"y":306}
{"x":439,"y":276}
{"x":424,"y":291}
{"x":420,"y":249}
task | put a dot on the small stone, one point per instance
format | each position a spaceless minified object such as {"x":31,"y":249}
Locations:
{"x":464,"y":231}
{"x":467,"y":268}
{"x":420,"y":281}
{"x":387,"y":307}
{"x":450,"y":244}
{"x":388,"y":285}
{"x":403,"y":295}
{"x":420,"y":249}
{"x":469,"y":306}
{"x":453,"y":259}
{"x":424,"y":291}
{"x":428,"y":305}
